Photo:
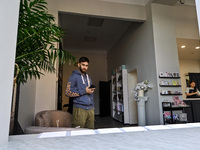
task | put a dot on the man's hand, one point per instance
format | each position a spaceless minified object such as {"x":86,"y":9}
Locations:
{"x":196,"y":93}
{"x":89,"y":90}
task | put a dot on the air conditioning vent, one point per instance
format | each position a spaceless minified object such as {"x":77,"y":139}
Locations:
{"x":97,"y":22}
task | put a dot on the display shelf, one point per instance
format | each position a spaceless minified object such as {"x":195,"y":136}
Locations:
{"x":170,"y":85}
{"x":118,"y":111}
{"x":114,"y":100}
{"x":120,"y":108}
{"x":170,"y":77}
{"x":175,"y":108}
{"x":168,"y":107}
{"x":169,"y":94}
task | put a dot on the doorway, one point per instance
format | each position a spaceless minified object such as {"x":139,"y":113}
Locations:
{"x":104,"y":97}
{"x":87,"y":36}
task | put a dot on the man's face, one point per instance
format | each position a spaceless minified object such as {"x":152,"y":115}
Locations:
{"x":83,"y":66}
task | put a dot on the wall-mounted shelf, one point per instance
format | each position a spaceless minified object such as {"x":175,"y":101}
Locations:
{"x":170,"y":77}
{"x":169,"y":94}
{"x":170,"y":85}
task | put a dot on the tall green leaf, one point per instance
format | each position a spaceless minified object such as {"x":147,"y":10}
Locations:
{"x":37,"y":34}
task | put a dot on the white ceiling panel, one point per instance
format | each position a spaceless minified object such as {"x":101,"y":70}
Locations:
{"x":190,"y":51}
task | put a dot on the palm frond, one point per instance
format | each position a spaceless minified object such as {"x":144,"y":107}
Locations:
{"x":37,"y":35}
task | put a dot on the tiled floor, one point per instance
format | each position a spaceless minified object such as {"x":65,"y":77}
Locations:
{"x":108,"y":122}
{"x":178,"y":137}
{"x":105,"y":136}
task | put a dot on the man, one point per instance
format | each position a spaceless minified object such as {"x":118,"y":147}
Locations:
{"x":78,"y":88}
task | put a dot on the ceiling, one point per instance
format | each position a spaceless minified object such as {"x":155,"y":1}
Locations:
{"x":144,"y":2}
{"x":89,"y":33}
{"x":189,"y":52}
{"x":95,"y":34}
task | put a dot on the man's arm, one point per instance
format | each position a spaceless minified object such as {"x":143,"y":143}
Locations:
{"x":72,"y":90}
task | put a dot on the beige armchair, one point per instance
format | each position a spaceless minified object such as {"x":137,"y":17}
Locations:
{"x":51,"y":121}
{"x":53,"y":118}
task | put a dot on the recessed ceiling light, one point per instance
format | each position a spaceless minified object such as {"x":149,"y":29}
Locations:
{"x":197,"y":47}
{"x":183,"y":46}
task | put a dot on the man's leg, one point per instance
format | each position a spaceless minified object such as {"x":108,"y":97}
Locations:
{"x":90,"y":119}
{"x":79,"y":117}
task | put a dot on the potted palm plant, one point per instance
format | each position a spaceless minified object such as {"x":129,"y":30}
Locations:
{"x":37,"y":37}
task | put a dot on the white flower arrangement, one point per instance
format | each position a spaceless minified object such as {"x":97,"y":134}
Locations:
{"x":141,"y":86}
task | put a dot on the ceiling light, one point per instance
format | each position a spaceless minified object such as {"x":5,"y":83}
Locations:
{"x":183,"y":46}
{"x":197,"y":47}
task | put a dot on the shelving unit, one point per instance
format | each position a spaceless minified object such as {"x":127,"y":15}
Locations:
{"x":170,"y":85}
{"x":169,"y":94}
{"x":167,"y":106}
{"x":167,"y":89}
{"x":170,"y":77}
{"x":120,"y":95}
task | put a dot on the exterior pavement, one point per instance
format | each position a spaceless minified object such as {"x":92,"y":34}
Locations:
{"x":162,"y":137}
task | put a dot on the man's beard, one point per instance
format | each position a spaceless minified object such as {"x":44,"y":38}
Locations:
{"x":84,"y":72}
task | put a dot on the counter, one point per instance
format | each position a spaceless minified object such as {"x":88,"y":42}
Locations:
{"x":191,"y":99}
{"x":193,"y":112}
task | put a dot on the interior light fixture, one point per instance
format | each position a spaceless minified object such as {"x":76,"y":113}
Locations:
{"x":183,"y":46}
{"x":197,"y":47}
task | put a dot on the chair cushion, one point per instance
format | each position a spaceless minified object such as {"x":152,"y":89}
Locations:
{"x":47,"y":119}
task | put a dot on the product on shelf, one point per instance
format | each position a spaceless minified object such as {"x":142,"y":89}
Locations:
{"x":166,"y":92}
{"x":162,"y":82}
{"x":169,"y":74}
{"x":175,"y":83}
{"x":120,"y":78}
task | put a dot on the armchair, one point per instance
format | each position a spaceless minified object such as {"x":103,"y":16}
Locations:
{"x":51,"y":121}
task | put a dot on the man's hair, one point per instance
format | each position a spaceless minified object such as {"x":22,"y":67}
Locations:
{"x":84,"y":59}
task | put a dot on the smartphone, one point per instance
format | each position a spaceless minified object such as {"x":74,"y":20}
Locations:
{"x":92,"y":86}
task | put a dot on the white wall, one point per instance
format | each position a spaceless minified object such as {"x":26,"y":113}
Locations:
{"x":37,"y":95}
{"x":97,"y":71}
{"x":8,"y":36}
{"x":46,"y":93}
{"x":198,"y":13}
{"x":99,"y":8}
{"x":186,"y":22}
{"x":135,"y":49}
{"x":165,"y":45}
{"x":186,"y":66}
{"x":199,"y":65}
{"x":27,"y":104}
